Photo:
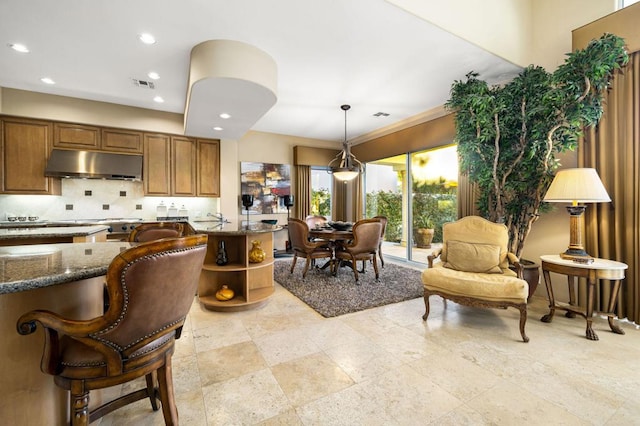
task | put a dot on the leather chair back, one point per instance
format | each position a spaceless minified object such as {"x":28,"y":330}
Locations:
{"x":366,"y":236}
{"x":151,"y":288}
{"x":313,"y":220}
{"x":299,"y":235}
{"x":152,"y":231}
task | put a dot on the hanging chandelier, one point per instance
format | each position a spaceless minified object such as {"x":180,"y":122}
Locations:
{"x":345,"y":166}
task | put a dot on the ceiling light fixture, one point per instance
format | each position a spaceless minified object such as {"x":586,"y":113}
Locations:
{"x":19,"y":47}
{"x":147,"y":38}
{"x":153,"y":75}
{"x":348,"y":165}
{"x":218,"y":129}
{"x":225,"y":116}
{"x":47,"y":80}
{"x":158,"y":99}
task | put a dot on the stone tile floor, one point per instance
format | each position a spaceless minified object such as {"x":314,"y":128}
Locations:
{"x":284,"y":364}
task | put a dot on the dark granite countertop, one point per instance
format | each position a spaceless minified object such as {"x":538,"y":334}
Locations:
{"x":214,"y":227}
{"x":29,"y":267}
{"x":40,"y":232}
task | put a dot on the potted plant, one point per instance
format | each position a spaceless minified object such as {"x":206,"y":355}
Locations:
{"x":423,"y":230}
{"x":508,"y":136}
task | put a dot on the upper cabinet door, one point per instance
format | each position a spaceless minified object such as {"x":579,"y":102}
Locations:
{"x":156,"y":164}
{"x":183,"y":166}
{"x":118,"y":140}
{"x":76,"y":136}
{"x":208,"y":173}
{"x":26,"y":145}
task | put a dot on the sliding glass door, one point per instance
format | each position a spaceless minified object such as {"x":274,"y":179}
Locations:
{"x":417,"y":192}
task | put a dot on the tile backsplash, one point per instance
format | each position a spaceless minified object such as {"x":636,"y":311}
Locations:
{"x":97,"y":199}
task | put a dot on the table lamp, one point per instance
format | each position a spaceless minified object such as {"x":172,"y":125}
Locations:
{"x":575,"y":186}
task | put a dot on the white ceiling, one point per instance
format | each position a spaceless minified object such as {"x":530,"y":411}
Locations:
{"x":366,"y":53}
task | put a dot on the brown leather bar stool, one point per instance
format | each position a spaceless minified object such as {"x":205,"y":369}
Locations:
{"x":151,"y":231}
{"x":151,"y":288}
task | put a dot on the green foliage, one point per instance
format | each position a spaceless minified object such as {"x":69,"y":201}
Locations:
{"x":433,"y":205}
{"x":508,"y":136}
{"x":389,"y":204}
{"x":321,"y":202}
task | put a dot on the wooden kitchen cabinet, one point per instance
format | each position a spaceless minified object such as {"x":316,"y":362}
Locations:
{"x":183,"y":167}
{"x":120,"y":140}
{"x":24,"y":151}
{"x":208,"y":168}
{"x":93,"y":138}
{"x":156,"y":169}
{"x":76,"y":136}
{"x":169,"y":165}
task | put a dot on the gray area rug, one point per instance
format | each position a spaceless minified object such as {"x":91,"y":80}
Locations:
{"x":332,"y":296}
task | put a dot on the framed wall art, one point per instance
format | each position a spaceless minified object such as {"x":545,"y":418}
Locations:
{"x":268,"y":183}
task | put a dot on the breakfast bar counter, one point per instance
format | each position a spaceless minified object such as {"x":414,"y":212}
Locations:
{"x":64,"y":278}
{"x":48,"y":235}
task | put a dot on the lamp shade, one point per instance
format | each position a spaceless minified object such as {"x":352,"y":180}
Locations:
{"x":581,"y":185}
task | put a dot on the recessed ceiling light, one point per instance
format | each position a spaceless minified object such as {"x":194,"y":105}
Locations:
{"x":147,"y":38}
{"x":225,"y":115}
{"x":153,"y":75}
{"x":218,"y":128}
{"x":47,"y":80}
{"x":158,"y":99}
{"x":19,"y":47}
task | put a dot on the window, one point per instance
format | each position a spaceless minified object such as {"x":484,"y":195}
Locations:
{"x":320,"y":192}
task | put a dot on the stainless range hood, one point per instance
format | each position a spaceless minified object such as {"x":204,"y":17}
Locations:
{"x":93,"y":165}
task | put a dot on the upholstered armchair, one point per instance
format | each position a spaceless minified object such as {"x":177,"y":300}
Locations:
{"x":151,"y":288}
{"x":472,"y":268}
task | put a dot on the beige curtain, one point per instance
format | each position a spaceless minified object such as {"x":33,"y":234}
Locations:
{"x":346,"y":202}
{"x":613,"y":149}
{"x":302,"y":197}
{"x":467,"y":197}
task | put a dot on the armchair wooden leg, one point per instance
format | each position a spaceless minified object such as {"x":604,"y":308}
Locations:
{"x":293,"y":264}
{"x":523,"y":321}
{"x":79,"y":404}
{"x":426,"y":305}
{"x":165,"y":381}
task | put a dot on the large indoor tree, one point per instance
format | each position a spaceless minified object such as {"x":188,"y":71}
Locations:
{"x":508,"y":136}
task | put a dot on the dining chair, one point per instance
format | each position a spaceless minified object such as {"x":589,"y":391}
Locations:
{"x":363,"y":246}
{"x":314,"y":220}
{"x":151,"y":231}
{"x":302,"y":247}
{"x":151,"y":287}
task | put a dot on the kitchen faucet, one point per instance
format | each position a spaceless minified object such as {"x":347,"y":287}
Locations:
{"x":218,"y":216}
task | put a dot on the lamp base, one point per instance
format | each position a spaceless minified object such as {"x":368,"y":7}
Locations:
{"x":578,"y":256}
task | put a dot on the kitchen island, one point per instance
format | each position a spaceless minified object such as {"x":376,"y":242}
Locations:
{"x":13,"y":236}
{"x":252,"y":283}
{"x":64,"y":278}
